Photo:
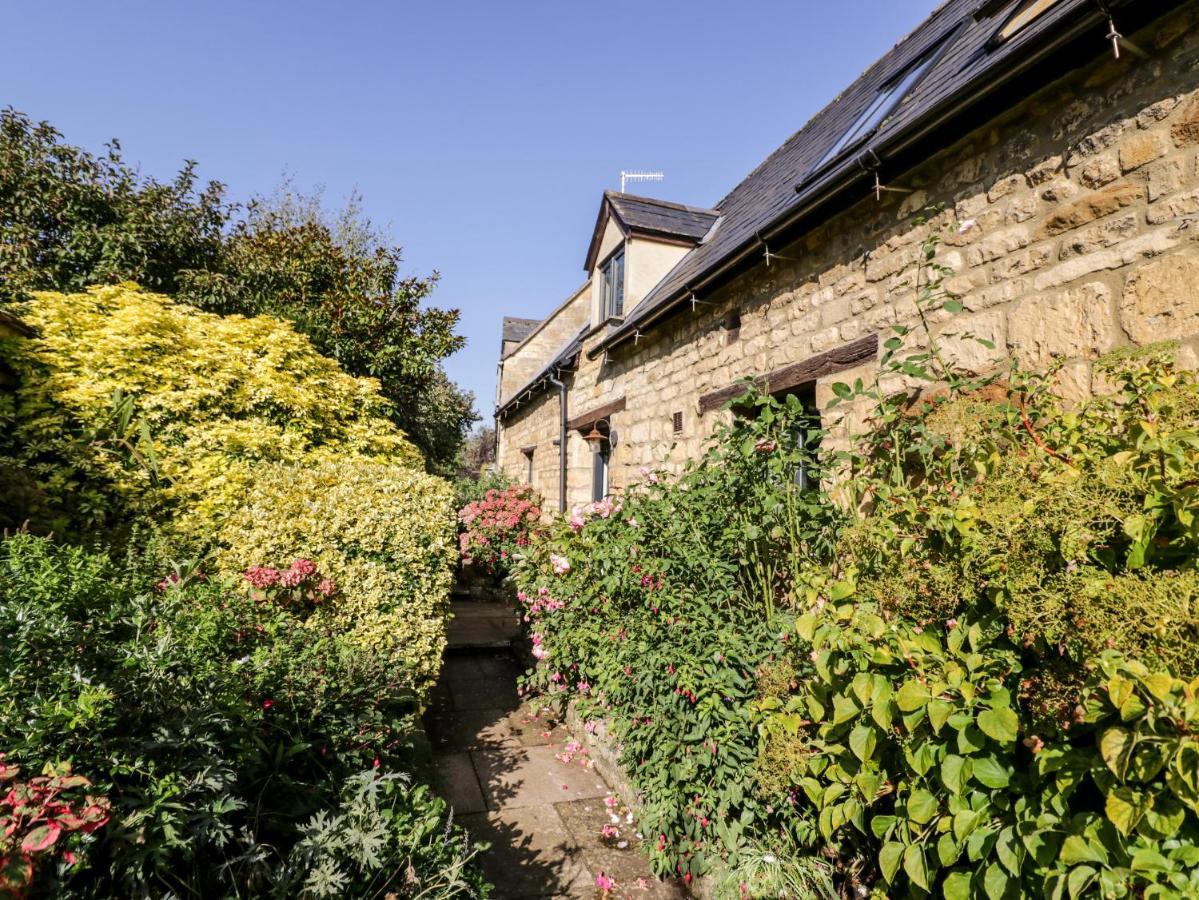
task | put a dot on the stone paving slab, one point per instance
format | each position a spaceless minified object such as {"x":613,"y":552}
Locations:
{"x":454,"y":779}
{"x":532,"y":776}
{"x":532,"y":854}
{"x":505,"y":771}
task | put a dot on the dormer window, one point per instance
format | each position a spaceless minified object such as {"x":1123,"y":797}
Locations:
{"x":612,"y":287}
{"x":1025,"y":14}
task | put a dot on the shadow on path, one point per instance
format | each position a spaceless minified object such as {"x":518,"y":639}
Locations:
{"x":513,"y":784}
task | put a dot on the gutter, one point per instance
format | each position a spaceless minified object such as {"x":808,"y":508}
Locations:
{"x":561,"y":442}
{"x":853,"y":169}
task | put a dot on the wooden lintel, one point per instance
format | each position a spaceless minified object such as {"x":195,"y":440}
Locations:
{"x":804,"y":372}
{"x":587,"y":419}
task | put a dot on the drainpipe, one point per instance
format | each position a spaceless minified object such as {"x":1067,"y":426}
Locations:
{"x":561,"y":442}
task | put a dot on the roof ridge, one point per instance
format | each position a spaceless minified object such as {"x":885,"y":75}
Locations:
{"x":669,"y":204}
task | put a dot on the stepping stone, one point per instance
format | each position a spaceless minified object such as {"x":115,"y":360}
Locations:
{"x":533,"y":776}
{"x":454,"y":779}
{"x":532,"y":854}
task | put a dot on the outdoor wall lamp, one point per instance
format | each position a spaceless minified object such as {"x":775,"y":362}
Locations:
{"x":595,"y":438}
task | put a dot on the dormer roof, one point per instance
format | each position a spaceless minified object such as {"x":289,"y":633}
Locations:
{"x":655,"y":219}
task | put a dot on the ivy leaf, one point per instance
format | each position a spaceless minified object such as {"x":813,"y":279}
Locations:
{"x":938,"y":713}
{"x":990,"y":772}
{"x":912,"y":696}
{"x":999,"y":724}
{"x":954,"y":772}
{"x":995,"y":882}
{"x":957,"y":886}
{"x":844,"y":709}
{"x":863,"y":741}
{"x":948,"y":850}
{"x":889,"y":859}
{"x":1079,"y":880}
{"x":1164,"y":817}
{"x":922,"y":806}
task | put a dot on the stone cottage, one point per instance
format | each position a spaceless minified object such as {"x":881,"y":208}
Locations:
{"x":1061,"y":140}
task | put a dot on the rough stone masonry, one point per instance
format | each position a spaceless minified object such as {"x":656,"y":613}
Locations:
{"x":1071,"y":228}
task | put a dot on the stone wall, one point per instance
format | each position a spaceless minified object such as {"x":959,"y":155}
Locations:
{"x":1072,"y":228}
{"x":531,"y":356}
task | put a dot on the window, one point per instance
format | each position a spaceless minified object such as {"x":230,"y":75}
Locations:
{"x":1024,"y":15}
{"x":528,"y":452}
{"x":876,"y":113}
{"x":676,"y":423}
{"x":801,"y":405}
{"x":612,"y":287}
{"x":732,"y":326}
{"x":599,"y":474}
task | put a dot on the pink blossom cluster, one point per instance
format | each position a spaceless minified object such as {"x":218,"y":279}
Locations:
{"x":492,"y":528}
{"x":538,"y":604}
{"x":300,"y":584}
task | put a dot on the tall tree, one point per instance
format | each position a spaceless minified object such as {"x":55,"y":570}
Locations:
{"x":69,"y":218}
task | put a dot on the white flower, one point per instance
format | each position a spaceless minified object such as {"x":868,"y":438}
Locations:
{"x":560,"y":563}
{"x":967,"y":225}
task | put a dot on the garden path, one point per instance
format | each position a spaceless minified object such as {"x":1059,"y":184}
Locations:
{"x":512,"y":781}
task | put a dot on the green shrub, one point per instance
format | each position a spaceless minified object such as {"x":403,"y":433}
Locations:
{"x":656,"y":611}
{"x":972,"y":678}
{"x":70,"y":219}
{"x":216,"y":396}
{"x":384,"y":534}
{"x":228,"y":733}
{"x":236,"y":436}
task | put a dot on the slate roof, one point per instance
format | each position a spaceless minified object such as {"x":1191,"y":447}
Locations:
{"x":660,"y":216}
{"x":645,"y":215}
{"x":963,"y":68}
{"x":564,"y":360}
{"x":516,"y":329}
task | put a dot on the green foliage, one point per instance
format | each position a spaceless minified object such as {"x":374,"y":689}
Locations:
{"x":218,"y":726}
{"x":916,"y":753}
{"x":216,"y":396}
{"x":655,"y":612}
{"x":241,"y":438}
{"x":70,"y":220}
{"x":971,"y":678}
{"x":383,"y":533}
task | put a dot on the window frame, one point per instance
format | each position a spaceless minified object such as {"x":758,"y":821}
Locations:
{"x":886,"y":101}
{"x":1025,"y":14}
{"x":528,"y":454}
{"x":601,"y":474}
{"x":612,"y":286}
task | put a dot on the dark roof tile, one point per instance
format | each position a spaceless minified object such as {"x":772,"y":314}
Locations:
{"x":788,"y":178}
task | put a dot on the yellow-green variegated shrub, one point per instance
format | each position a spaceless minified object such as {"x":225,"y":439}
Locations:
{"x":217,"y":394}
{"x":232,"y":434}
{"x":384,"y":534}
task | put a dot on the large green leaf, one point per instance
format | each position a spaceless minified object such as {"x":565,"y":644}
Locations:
{"x":957,"y":886}
{"x":922,"y":806}
{"x":1126,"y":807}
{"x":863,"y":741}
{"x":990,"y":772}
{"x":1116,"y":746}
{"x":995,"y":882}
{"x":915,"y":866}
{"x":999,"y":724}
{"x":912,"y":696}
{"x":889,"y":858}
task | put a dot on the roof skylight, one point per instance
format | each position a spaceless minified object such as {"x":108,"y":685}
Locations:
{"x":879,"y":108}
{"x":1024,"y":15}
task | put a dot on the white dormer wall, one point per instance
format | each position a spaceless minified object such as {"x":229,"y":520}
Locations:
{"x":646,"y":262}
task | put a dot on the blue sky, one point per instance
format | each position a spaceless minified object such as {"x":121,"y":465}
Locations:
{"x":480,"y":134}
